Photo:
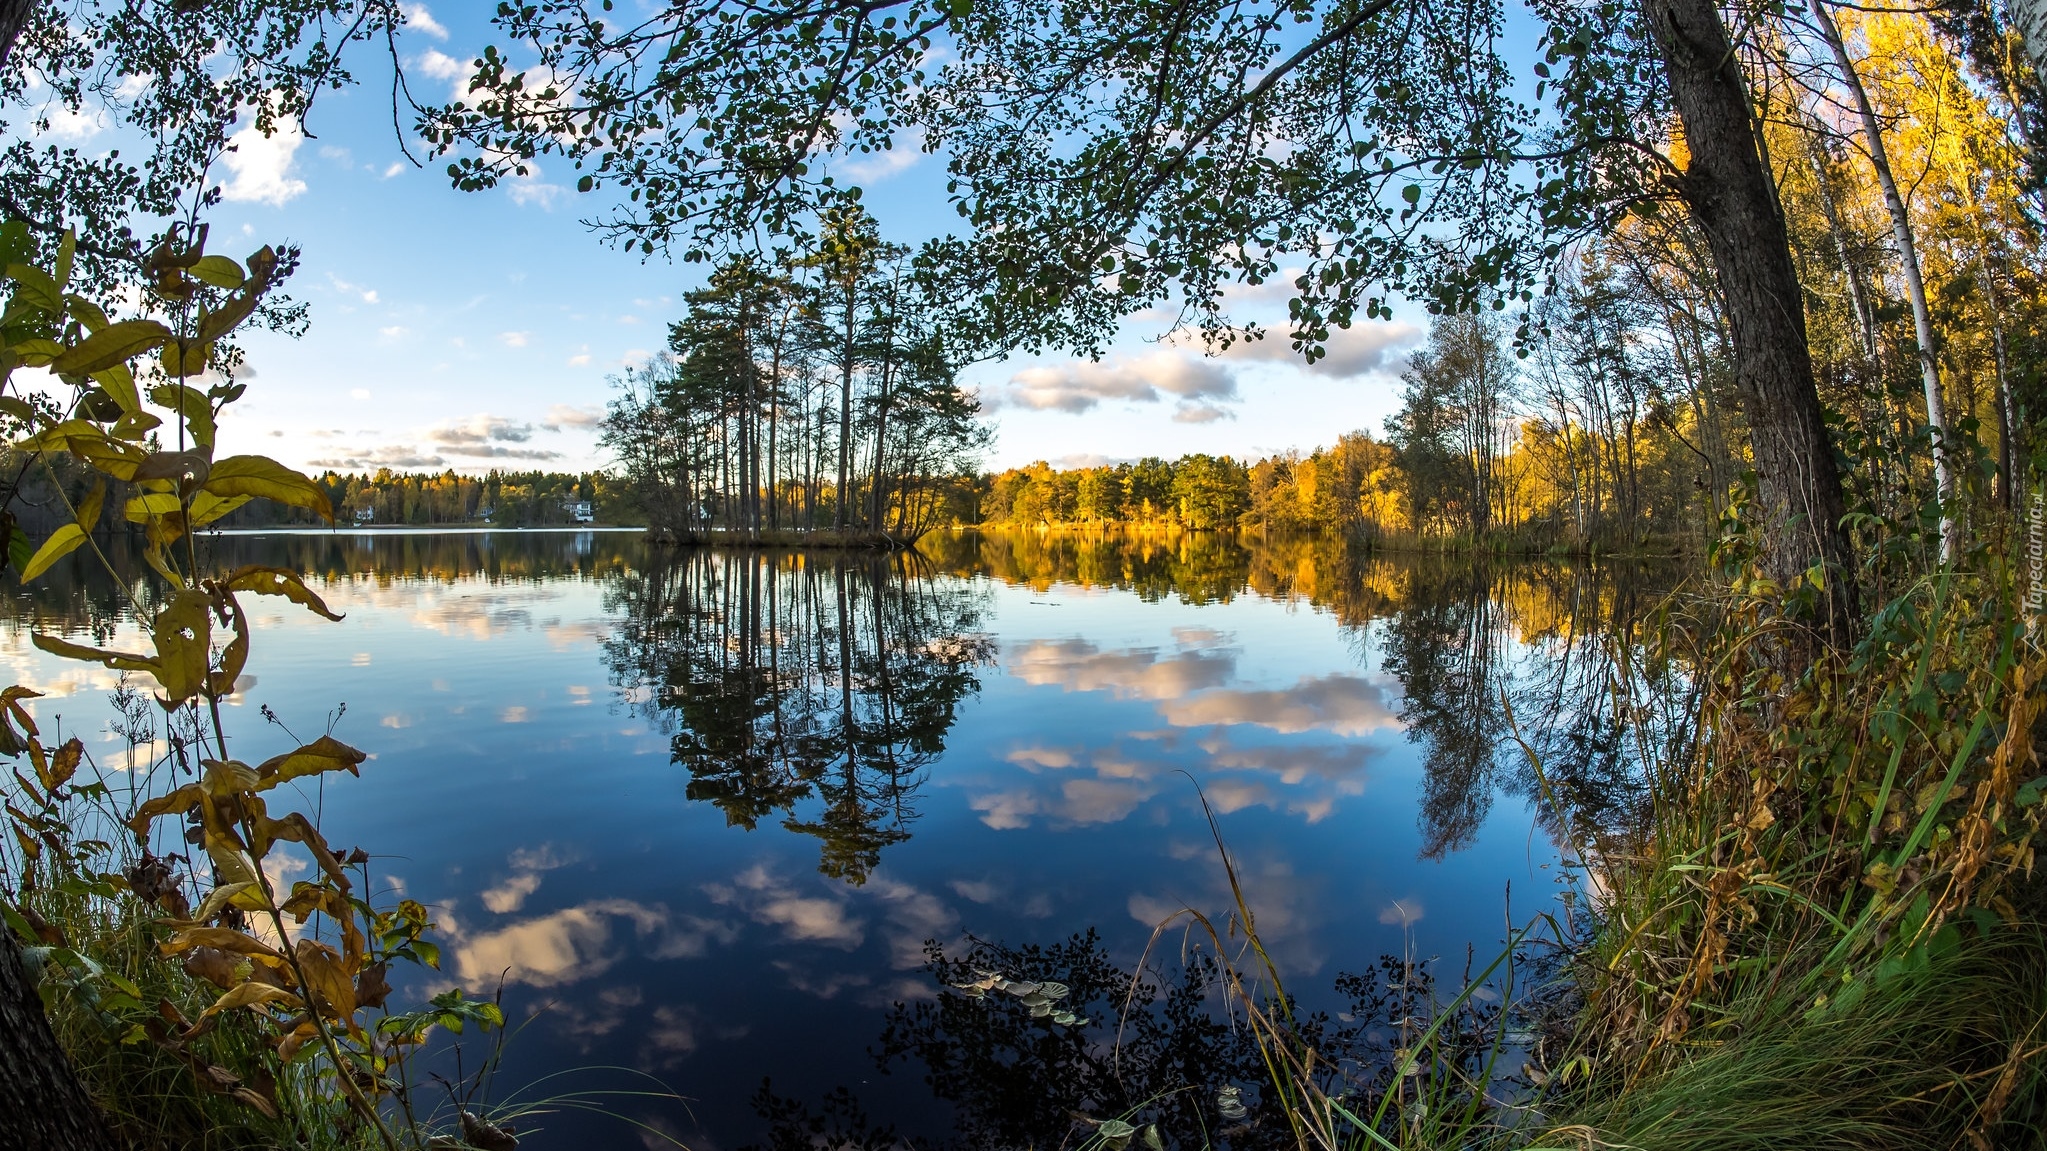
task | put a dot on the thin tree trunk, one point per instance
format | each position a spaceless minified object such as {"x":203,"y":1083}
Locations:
{"x":1915,"y":286}
{"x":1734,"y":201}
{"x":839,"y":517}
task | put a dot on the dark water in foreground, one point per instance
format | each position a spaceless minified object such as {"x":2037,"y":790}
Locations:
{"x":704,"y":814}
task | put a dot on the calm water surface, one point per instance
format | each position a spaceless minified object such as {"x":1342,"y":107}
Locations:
{"x":707,"y":815}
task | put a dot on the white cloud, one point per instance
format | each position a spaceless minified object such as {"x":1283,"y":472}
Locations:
{"x":83,"y":124}
{"x":262,"y":165}
{"x":358,"y":393}
{"x":395,"y":331}
{"x":417,"y":17}
{"x":580,"y":359}
{"x":1200,"y":414}
{"x":875,"y":167}
{"x":530,"y":189}
{"x":515,"y":339}
{"x":394,"y":168}
{"x":368,"y":459}
{"x":370,"y":296}
{"x":1359,"y":350}
{"x":481,"y":428}
{"x":1081,"y":385}
{"x":563,"y":416}
{"x":496,"y":452}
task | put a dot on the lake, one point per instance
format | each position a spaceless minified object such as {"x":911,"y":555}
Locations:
{"x":733,"y":821}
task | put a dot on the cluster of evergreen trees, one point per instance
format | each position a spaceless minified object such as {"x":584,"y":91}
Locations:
{"x":812,"y":392}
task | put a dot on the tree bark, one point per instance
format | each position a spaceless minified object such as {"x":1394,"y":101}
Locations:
{"x":43,"y":1106}
{"x":14,"y":16}
{"x":1731,"y":196}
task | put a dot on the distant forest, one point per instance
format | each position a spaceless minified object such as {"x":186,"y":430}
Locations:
{"x":511,"y":499}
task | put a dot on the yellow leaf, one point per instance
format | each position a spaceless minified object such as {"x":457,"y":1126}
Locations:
{"x":117,"y":660}
{"x":216,"y":901}
{"x":38,"y":353}
{"x":207,"y":507}
{"x":184,"y":636}
{"x":230,"y":862}
{"x":220,"y":937}
{"x":278,"y":581}
{"x":323,"y":754}
{"x":191,"y":404}
{"x":119,"y":382}
{"x":227,"y":776}
{"x":175,"y":803}
{"x":140,"y":508}
{"x":57,"y":437}
{"x":265,"y":478}
{"x":253,"y":994}
{"x":173,"y":466}
{"x":37,"y":285}
{"x":154,"y":557}
{"x":191,"y":362}
{"x":219,"y":271}
{"x":89,"y":510}
{"x":88,"y":313}
{"x":136,"y":425}
{"x":109,"y":455}
{"x":215,"y":324}
{"x":329,"y":983}
{"x":61,"y":543}
{"x":63,"y":765}
{"x":113,"y":344}
{"x":235,"y":656}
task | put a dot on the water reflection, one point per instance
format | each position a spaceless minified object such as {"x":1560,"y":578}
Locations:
{"x":1159,"y":1046}
{"x":816,"y":688}
{"x":702,"y":812}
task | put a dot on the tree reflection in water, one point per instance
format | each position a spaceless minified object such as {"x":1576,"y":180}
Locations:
{"x":816,"y":687}
{"x":1558,"y":644}
{"x":1156,"y":1050}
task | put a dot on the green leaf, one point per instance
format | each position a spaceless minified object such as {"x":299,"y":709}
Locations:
{"x":61,"y":543}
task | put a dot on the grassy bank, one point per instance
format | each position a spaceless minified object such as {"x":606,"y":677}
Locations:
{"x":1824,"y":930}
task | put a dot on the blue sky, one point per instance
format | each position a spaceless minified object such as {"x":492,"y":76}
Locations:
{"x":477,"y":330}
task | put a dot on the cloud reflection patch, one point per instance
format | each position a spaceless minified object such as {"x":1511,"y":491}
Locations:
{"x":1133,"y":673}
{"x":580,"y":942}
{"x":1091,"y":786}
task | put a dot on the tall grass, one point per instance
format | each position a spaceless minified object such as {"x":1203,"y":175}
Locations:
{"x":1821,"y":932}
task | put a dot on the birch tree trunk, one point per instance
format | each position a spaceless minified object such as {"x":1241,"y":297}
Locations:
{"x":1915,"y":285}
